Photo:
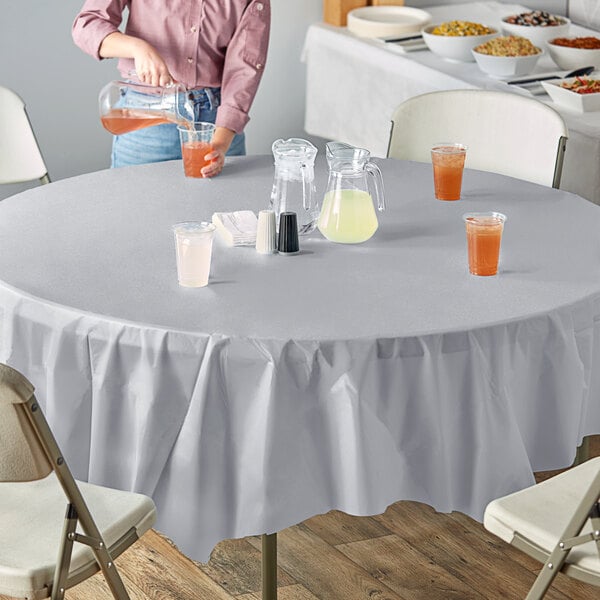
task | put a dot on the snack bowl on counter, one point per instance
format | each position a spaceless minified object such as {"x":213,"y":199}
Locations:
{"x":507,"y":56}
{"x":454,"y":40}
{"x":538,"y":26}
{"x":580,"y":94}
{"x":575,"y":52}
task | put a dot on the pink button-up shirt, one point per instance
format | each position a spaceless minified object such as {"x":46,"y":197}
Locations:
{"x":205,"y":43}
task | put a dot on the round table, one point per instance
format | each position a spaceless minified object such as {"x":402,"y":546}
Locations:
{"x":346,"y":377}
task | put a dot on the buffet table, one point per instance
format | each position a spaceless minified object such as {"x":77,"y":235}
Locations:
{"x":354,"y":84}
{"x":347,"y":377}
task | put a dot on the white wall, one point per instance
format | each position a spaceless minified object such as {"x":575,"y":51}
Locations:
{"x":60,"y":83}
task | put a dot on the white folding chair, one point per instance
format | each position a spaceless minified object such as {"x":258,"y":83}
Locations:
{"x":504,"y":133}
{"x":556,"y":522}
{"x":20,"y":156}
{"x":42,"y":551}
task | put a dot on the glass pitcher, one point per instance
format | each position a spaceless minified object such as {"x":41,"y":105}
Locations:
{"x":348,"y":215}
{"x":127,"y":106}
{"x":294,"y":182}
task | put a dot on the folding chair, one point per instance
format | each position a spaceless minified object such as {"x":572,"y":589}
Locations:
{"x":20,"y":156}
{"x":556,"y":522}
{"x":504,"y":133}
{"x":42,"y":552}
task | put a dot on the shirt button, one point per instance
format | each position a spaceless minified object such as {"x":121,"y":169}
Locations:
{"x":259,"y":6}
{"x":259,"y":66}
{"x":190,"y":59}
{"x":193,"y":29}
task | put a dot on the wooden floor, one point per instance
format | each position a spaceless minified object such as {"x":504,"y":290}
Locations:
{"x":408,"y":553}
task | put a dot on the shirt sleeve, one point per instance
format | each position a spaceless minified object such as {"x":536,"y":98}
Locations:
{"x":97,"y":19}
{"x":244,"y":65}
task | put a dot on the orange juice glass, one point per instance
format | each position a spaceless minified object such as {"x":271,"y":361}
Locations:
{"x":196,"y":143}
{"x":448,"y":160}
{"x":484,"y":234}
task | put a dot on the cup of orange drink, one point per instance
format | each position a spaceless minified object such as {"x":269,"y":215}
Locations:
{"x":196,"y":143}
{"x":484,"y":235}
{"x":448,"y":160}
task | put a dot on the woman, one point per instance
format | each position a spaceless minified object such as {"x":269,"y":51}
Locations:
{"x":216,"y":48}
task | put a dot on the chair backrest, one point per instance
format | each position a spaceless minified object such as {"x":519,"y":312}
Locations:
{"x":22,"y":457}
{"x":504,"y":133}
{"x":20,"y":156}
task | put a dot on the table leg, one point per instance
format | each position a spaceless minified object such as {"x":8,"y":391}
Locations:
{"x":269,"y":566}
{"x":583,"y":451}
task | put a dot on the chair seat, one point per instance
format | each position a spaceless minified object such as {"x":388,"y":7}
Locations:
{"x":30,"y":531}
{"x":541,"y":513}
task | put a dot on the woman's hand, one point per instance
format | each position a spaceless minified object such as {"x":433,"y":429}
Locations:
{"x":150,"y":67}
{"x":221,"y":141}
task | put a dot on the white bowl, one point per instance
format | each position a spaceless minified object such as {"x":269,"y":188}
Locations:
{"x":456,"y":48}
{"x":569,"y":99}
{"x":573,"y":58}
{"x":386,"y":21}
{"x":539,"y":36}
{"x":506,"y":66}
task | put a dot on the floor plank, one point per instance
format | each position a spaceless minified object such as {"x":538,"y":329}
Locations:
{"x":477,"y":560}
{"x":337,"y":527}
{"x":325,"y":571}
{"x":236,"y":566}
{"x":290,"y":592}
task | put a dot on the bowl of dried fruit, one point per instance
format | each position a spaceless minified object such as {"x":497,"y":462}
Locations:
{"x":455,"y":39}
{"x":574,"y":52}
{"x":580,"y":94}
{"x":538,"y":26}
{"x":507,"y":56}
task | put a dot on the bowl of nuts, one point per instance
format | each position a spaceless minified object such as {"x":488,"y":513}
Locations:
{"x":507,"y":56}
{"x":538,"y":26}
{"x":454,"y":40}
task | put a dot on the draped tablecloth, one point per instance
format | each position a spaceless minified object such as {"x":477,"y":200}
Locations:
{"x":346,"y":377}
{"x":354,"y":84}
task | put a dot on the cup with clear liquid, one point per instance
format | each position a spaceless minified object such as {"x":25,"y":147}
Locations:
{"x":127,"y":106}
{"x":348,"y":214}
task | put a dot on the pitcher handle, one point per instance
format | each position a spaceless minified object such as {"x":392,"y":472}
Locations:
{"x":307,"y":188}
{"x":375,"y":171}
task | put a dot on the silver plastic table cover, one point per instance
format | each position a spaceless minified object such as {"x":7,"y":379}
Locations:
{"x":345,"y":377}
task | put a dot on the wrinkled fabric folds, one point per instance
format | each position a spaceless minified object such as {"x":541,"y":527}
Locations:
{"x":235,"y":436}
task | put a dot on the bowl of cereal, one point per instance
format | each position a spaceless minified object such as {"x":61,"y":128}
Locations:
{"x":507,"y":56}
{"x":455,"y":39}
{"x":575,"y":52}
{"x":538,"y":26}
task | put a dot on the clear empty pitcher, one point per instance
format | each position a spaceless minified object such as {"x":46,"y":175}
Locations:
{"x":294,"y":182}
{"x":127,"y":106}
{"x":348,"y":215}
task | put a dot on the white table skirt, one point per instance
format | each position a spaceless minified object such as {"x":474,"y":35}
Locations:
{"x":367,"y":387}
{"x":354,"y":84}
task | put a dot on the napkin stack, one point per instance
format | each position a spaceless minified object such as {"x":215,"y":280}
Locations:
{"x":237,"y":228}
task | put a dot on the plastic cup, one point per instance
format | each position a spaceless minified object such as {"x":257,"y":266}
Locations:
{"x":196,"y":143}
{"x":193,"y":244}
{"x":448,"y":160}
{"x":484,"y":235}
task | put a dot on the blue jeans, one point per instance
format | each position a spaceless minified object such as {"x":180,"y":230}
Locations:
{"x":161,"y":142}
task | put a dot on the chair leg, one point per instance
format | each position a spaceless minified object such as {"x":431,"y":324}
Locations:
{"x":61,"y":573}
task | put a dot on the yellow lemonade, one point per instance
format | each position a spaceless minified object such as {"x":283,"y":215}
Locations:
{"x":347,"y":216}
